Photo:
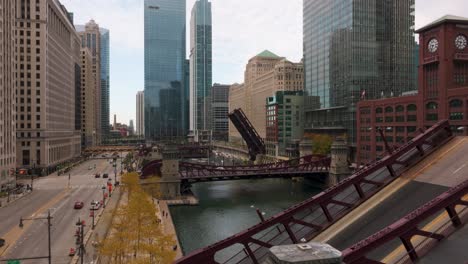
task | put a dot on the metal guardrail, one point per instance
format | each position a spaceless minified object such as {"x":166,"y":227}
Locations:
{"x":408,"y":227}
{"x":307,"y":219}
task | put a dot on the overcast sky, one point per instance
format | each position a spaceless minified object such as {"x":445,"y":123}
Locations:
{"x":241,"y":29}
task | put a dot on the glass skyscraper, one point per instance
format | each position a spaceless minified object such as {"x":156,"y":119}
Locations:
{"x":354,"y":50}
{"x":200,"y":67}
{"x":165,"y":113}
{"x":105,"y":81}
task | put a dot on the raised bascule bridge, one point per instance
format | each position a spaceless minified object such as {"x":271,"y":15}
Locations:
{"x":365,"y":190}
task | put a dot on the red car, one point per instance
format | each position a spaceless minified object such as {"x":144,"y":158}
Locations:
{"x":78,"y":205}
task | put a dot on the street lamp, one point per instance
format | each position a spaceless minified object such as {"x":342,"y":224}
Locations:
{"x":81,"y":226}
{"x":103,"y":196}
{"x":121,"y":169}
{"x":32,"y":174}
{"x":49,"y":218}
{"x":115,"y":170}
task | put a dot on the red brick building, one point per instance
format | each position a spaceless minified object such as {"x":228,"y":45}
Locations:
{"x":442,"y":92}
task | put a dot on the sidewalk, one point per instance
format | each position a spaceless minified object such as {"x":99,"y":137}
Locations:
{"x":13,"y":197}
{"x":168,"y":225}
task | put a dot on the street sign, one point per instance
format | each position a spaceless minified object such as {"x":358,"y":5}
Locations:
{"x":13,"y":261}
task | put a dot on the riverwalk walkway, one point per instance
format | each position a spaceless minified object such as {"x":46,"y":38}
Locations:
{"x":168,"y":226}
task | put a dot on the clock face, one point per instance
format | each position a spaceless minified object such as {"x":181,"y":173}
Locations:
{"x":433,"y":45}
{"x":460,"y":42}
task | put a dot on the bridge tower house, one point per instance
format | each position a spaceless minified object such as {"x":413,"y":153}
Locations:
{"x":170,"y":180}
{"x":339,"y":168}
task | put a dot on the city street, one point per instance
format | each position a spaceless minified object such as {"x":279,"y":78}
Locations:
{"x":52,"y":193}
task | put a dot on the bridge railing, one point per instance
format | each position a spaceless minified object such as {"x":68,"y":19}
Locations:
{"x":189,"y":171}
{"x":410,"y":225}
{"x":307,"y":219}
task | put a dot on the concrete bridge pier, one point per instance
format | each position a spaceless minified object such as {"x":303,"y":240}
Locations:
{"x":170,"y":180}
{"x":339,"y":168}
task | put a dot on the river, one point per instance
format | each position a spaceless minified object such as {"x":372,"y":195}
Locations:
{"x":228,"y":207}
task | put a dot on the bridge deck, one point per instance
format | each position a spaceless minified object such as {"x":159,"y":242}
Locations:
{"x":445,"y":168}
{"x":311,"y":217}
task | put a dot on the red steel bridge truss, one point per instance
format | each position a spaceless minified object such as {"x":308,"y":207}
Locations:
{"x":312,"y":165}
{"x":307,"y":219}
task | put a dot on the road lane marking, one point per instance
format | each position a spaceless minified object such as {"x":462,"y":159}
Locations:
{"x":457,"y":170}
{"x":400,"y":251}
{"x":16,"y":232}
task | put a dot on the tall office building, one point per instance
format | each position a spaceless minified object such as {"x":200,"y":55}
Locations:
{"x":264,"y":74}
{"x":88,"y":99}
{"x":140,"y":113}
{"x":105,"y":82}
{"x":91,"y":38}
{"x":47,"y":83}
{"x":165,"y":114}
{"x":131,"y":128}
{"x":200,"y":68}
{"x":354,"y":50}
{"x":220,"y":110}
{"x":7,"y":89}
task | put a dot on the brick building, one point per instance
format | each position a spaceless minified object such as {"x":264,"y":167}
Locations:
{"x":264,"y":74}
{"x":442,"y":92}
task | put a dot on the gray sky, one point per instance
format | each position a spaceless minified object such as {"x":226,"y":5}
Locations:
{"x":241,"y":29}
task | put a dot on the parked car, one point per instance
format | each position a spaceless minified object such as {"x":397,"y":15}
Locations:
{"x":97,"y":175}
{"x":90,"y":168}
{"x":2,"y":242}
{"x":78,"y":205}
{"x":105,"y":175}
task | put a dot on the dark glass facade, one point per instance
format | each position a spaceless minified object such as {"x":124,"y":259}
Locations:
{"x":353,"y":50}
{"x":105,"y":80}
{"x":165,"y":114}
{"x":201,"y":66}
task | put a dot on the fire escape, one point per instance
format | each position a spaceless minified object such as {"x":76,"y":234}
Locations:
{"x":249,"y":134}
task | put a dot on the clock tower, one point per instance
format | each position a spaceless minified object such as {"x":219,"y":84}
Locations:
{"x":443,"y":65}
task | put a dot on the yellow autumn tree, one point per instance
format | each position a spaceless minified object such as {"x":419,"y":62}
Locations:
{"x":137,"y":226}
{"x":321,"y":144}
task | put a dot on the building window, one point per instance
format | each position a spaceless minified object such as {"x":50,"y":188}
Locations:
{"x":411,"y":108}
{"x":388,"y":109}
{"x":389,"y":119}
{"x":412,"y":118}
{"x":400,"y":119}
{"x":399,"y":109}
{"x":411,"y":129}
{"x":378,"y":119}
{"x":378,"y":110}
{"x":456,"y":116}
{"x":400,"y":139}
{"x":432,"y":106}
{"x":400,"y":129}
{"x":455,"y":103}
{"x":432,"y":117}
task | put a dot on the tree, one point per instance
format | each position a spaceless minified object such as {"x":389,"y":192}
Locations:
{"x":136,"y":234}
{"x":321,"y":144}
